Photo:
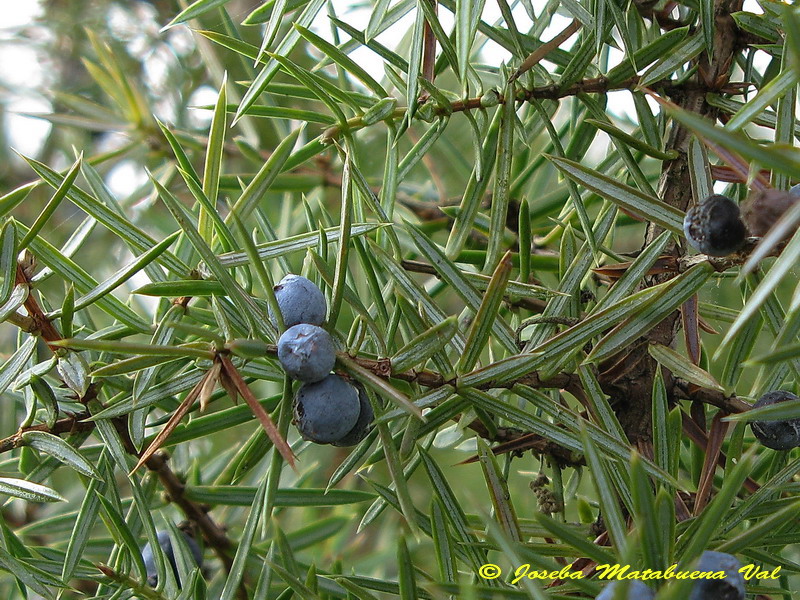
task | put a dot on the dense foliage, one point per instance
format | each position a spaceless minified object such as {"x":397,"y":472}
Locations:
{"x":491,"y":197}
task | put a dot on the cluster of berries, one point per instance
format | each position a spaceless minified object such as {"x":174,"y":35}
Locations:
{"x":729,"y":588}
{"x":327,"y":408}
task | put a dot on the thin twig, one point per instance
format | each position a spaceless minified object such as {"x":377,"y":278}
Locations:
{"x":428,"y":52}
{"x":537,"y":55}
{"x":41,"y":324}
{"x":531,"y":304}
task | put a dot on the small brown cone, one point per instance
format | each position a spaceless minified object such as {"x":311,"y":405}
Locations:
{"x":763,"y":208}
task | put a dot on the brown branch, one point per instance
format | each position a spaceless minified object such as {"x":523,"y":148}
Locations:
{"x":732,"y":404}
{"x":66,"y":425}
{"x":516,"y":440}
{"x":723,"y":263}
{"x":432,"y":379}
{"x":594,"y":85}
{"x":428,"y":52}
{"x":678,"y":264}
{"x":531,"y":304}
{"x":537,"y":55}
{"x":667,"y":23}
{"x":39,"y":321}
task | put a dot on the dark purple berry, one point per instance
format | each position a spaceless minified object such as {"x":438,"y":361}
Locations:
{"x":729,"y":588}
{"x":714,"y":226}
{"x":306,"y":352}
{"x":300,"y":301}
{"x":327,"y":410}
{"x":778,"y":435}
{"x":365,"y":417}
{"x":166,"y":547}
